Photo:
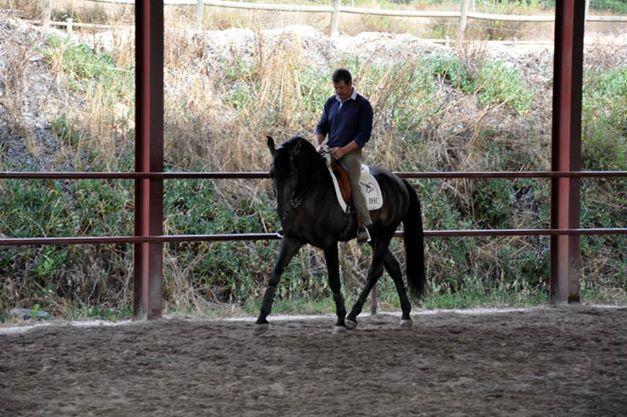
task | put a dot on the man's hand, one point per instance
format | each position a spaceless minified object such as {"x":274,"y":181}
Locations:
{"x":337,"y":153}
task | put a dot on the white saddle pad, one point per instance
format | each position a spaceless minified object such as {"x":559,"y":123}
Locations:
{"x":369,"y":187}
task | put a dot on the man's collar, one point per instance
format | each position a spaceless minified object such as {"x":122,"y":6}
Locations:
{"x":352,"y":97}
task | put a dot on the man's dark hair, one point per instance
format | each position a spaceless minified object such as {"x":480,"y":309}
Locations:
{"x":342,"y":74}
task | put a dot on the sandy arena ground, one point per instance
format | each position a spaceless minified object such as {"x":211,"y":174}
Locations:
{"x":567,"y":361}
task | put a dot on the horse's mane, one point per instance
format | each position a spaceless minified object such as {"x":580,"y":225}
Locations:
{"x":302,"y":155}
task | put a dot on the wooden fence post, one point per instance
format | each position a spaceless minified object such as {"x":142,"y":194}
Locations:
{"x":462,"y":21}
{"x":200,"y":9}
{"x":68,"y":23}
{"x":335,"y":18}
{"x":46,"y":11}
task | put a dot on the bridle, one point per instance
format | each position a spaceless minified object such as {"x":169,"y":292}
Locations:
{"x":294,"y":200}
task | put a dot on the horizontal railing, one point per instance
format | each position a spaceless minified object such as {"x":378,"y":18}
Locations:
{"x":5,"y":241}
{"x":274,"y":236}
{"x":368,"y":11}
{"x":463,"y":14}
{"x":261,"y":175}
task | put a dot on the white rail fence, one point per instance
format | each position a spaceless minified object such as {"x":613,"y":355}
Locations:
{"x":335,"y":10}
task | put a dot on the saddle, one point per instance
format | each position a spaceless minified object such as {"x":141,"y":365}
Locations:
{"x":369,"y":187}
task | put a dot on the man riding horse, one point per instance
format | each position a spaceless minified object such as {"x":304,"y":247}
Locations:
{"x":347,"y":120}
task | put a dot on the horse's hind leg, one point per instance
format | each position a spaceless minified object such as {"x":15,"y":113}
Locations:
{"x":374,"y":272}
{"x":394,"y":269}
{"x":333,"y":268}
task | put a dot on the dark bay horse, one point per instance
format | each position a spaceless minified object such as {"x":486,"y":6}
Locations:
{"x":309,"y":213}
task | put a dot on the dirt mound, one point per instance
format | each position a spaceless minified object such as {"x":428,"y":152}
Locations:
{"x":30,"y":99}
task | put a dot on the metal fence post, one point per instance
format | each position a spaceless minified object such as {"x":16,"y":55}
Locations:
{"x":463,"y":18}
{"x":335,"y":18}
{"x":46,"y":12}
{"x":200,"y":9}
{"x":148,"y":257}
{"x":566,"y":148}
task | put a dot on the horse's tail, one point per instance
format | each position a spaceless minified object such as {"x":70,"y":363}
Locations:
{"x":414,"y":245}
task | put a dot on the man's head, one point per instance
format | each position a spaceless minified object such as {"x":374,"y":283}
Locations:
{"x":343,"y":83}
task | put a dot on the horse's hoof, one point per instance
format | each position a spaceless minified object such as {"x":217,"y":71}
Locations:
{"x":406,"y":324}
{"x":351,"y":324}
{"x":339,"y":329}
{"x":261,"y":328}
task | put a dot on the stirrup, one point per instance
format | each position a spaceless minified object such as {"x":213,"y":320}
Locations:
{"x":363,"y":235}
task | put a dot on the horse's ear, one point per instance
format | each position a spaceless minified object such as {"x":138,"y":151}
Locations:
{"x":271,"y":146}
{"x":299,"y":145}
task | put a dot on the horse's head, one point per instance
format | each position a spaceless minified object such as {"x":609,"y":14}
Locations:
{"x":296,"y":158}
{"x":296,"y":170}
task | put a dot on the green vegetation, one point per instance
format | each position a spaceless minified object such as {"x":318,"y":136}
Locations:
{"x":501,"y":84}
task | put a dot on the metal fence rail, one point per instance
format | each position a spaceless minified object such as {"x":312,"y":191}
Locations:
{"x":261,"y":175}
{"x":238,"y":237}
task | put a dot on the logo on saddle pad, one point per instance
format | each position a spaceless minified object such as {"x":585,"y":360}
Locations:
{"x":369,"y":188}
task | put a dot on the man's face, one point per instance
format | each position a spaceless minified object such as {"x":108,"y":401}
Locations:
{"x":343,"y":90}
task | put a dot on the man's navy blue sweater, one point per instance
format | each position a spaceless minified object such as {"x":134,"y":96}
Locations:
{"x":350,"y":121}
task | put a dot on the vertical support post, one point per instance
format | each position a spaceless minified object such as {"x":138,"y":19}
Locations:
{"x":587,"y":8}
{"x":200,"y":9}
{"x":69,"y":22}
{"x":566,"y":148}
{"x":148,"y":257}
{"x":335,"y":18}
{"x":46,"y":12}
{"x":463,"y":18}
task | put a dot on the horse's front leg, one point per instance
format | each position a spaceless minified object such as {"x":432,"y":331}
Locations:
{"x":333,"y":268}
{"x":289,"y":247}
